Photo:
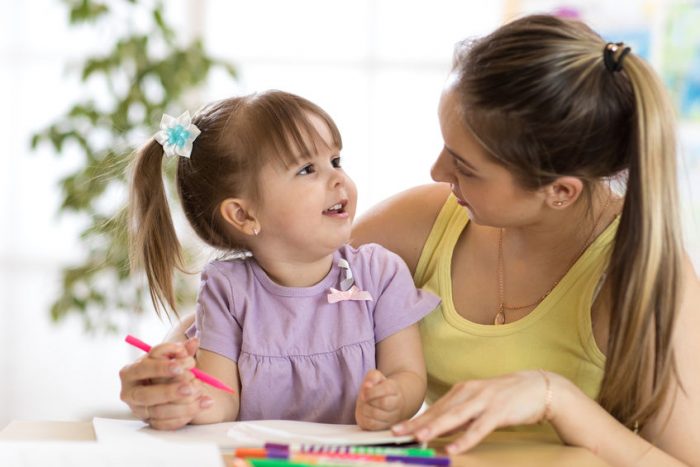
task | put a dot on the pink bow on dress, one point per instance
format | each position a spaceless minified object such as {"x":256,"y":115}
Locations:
{"x":353,"y":293}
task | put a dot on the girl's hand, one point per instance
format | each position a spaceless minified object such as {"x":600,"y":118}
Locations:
{"x":379,"y":402}
{"x":481,"y":406}
{"x":160,"y":389}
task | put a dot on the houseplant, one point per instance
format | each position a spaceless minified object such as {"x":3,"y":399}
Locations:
{"x":146,"y":71}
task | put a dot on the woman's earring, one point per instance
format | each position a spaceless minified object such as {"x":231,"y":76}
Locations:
{"x":256,"y":231}
{"x":559,"y":203}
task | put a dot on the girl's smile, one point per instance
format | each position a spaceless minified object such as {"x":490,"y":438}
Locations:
{"x":337,"y":210}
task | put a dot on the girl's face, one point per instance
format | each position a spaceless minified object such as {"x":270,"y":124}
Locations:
{"x":306,"y":210}
{"x":486,"y":189}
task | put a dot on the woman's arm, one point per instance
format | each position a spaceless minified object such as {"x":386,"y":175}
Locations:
{"x":403,"y":222}
{"x":177,"y":333}
{"x":674,"y":430}
{"x":671,"y":437}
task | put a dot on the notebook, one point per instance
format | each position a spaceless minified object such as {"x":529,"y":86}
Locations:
{"x":232,"y":435}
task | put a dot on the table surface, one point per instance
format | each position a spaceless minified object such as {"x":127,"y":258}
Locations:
{"x":498,"y":449}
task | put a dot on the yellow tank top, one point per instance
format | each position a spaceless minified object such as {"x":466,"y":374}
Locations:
{"x":556,"y":336}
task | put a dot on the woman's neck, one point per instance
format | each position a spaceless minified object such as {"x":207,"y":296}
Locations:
{"x":295,"y":272}
{"x":567,"y":232}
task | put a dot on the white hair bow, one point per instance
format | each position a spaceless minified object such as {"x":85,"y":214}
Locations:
{"x":176,"y":135}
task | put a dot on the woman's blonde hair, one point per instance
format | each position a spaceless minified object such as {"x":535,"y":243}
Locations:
{"x":539,"y":97}
{"x":238,"y":137}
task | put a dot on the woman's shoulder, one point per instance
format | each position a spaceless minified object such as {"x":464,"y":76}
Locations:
{"x":403,"y":222}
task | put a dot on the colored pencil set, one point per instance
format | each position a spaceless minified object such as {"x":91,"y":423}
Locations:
{"x":280,"y":455}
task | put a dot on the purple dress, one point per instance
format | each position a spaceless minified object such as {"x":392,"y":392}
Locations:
{"x":300,"y":357}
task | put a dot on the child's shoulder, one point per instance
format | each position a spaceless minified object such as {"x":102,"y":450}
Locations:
{"x":372,"y":256}
{"x":367,"y":250}
{"x":227,"y":267}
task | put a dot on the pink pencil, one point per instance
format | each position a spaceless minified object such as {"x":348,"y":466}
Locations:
{"x":199,"y":374}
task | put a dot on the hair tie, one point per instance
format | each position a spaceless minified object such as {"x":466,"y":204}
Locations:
{"x":176,"y":135}
{"x":609,"y":52}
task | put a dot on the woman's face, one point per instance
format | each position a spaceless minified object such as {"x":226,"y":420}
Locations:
{"x":486,"y":189}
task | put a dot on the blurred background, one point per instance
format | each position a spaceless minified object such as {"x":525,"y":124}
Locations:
{"x":68,"y":75}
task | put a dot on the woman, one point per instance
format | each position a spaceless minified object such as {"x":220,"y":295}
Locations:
{"x":563,"y":301}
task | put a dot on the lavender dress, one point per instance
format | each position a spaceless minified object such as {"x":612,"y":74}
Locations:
{"x":300,"y":357}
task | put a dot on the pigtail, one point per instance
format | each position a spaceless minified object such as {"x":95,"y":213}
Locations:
{"x":153,"y":243}
{"x":645,"y":267}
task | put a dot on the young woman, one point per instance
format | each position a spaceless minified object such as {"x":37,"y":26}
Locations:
{"x":562,"y":300}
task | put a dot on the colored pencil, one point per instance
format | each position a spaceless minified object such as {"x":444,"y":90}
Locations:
{"x":380,"y":450}
{"x":199,"y":374}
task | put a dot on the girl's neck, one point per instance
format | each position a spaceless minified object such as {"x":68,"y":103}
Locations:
{"x":295,"y":272}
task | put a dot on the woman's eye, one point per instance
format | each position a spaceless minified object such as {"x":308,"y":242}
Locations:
{"x":306,"y":170}
{"x":336,"y":162}
{"x":465,"y":172}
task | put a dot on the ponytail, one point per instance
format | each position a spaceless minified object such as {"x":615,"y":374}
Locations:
{"x":645,"y":267}
{"x":153,"y":243}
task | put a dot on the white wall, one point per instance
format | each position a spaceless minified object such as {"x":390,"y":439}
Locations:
{"x":377,"y":66}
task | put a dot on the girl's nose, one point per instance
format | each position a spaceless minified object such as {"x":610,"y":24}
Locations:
{"x":337,"y":177}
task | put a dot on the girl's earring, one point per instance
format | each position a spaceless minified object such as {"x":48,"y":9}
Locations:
{"x":559,"y":203}
{"x":256,"y":231}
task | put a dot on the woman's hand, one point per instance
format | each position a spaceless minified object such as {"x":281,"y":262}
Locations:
{"x":481,"y":406}
{"x":379,"y":403}
{"x":160,"y":389}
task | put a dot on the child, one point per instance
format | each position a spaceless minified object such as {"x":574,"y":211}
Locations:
{"x":305,"y":326}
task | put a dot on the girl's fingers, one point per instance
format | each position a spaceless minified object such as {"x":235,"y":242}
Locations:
{"x":148,"y":368}
{"x":372,"y":378}
{"x":386,"y":403}
{"x":186,"y":408}
{"x":191,"y":346}
{"x":155,"y":394}
{"x":374,"y":418}
{"x":384,"y":389}
{"x":169,"y":350}
{"x":174,"y":416}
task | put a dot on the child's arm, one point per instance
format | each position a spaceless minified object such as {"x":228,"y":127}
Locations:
{"x":159,"y":389}
{"x":396,"y":390}
{"x":226,"y":405}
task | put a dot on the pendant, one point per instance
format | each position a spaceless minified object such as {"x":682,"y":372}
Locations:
{"x":500,"y":318}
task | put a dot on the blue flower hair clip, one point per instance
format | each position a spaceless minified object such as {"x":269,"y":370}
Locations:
{"x":176,"y":135}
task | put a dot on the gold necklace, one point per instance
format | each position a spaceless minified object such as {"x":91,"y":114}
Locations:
{"x":500,"y":317}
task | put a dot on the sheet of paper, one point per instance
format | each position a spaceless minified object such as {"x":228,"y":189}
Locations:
{"x":247,"y":434}
{"x":290,"y":432}
{"x":91,"y":454}
{"x":113,"y":430}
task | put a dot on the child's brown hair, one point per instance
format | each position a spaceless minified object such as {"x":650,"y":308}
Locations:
{"x":238,"y":137}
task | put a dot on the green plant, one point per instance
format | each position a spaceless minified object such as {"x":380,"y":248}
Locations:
{"x":145,"y":72}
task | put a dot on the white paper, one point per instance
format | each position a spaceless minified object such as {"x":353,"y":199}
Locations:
{"x":289,"y":432}
{"x":114,"y":430}
{"x":247,"y":434}
{"x":91,"y":454}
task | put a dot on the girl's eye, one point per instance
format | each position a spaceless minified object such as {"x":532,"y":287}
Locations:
{"x":306,"y":170}
{"x":336,"y":162}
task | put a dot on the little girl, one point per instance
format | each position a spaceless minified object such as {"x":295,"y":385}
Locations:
{"x":305,"y":326}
